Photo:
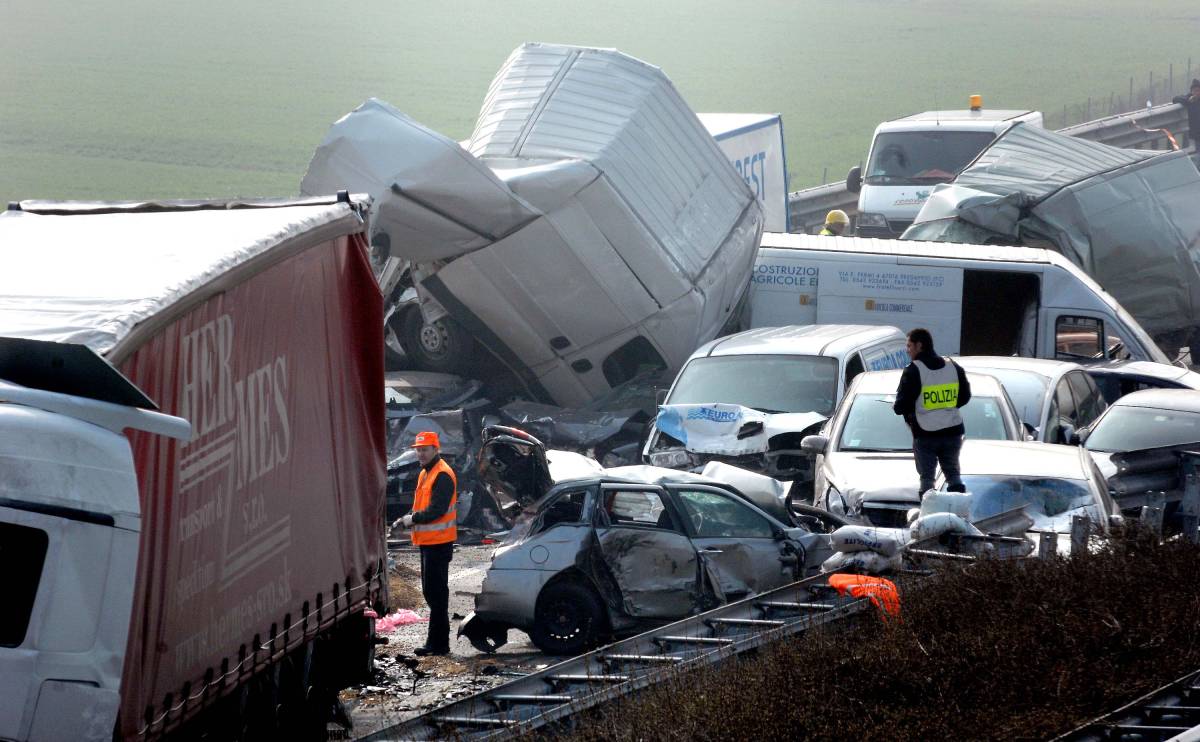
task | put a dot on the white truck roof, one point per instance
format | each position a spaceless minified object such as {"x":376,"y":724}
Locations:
{"x":722,"y":125}
{"x":92,"y":277}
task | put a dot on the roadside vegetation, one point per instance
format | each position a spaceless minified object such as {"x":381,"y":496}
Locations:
{"x":1001,"y":650}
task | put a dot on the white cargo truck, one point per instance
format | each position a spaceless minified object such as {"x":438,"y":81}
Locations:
{"x":910,"y":155}
{"x":975,"y":299}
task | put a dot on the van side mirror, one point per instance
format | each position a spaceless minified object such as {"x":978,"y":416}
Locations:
{"x":814,"y":444}
{"x":660,"y":397}
{"x":854,"y":180}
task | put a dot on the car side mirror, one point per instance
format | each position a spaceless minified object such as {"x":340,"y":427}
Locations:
{"x":778,"y":533}
{"x":1067,"y":435}
{"x":1116,"y":520}
{"x":660,"y":396}
{"x":814,"y":444}
{"x":1030,"y":431}
{"x":854,"y":180}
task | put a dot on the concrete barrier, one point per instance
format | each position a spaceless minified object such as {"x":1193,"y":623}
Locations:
{"x":1133,"y":130}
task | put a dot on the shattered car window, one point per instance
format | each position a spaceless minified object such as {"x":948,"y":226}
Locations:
{"x":1051,"y":502}
{"x":638,"y":508}
{"x":568,"y":507}
{"x":871,"y":425}
{"x":768,"y":383}
{"x":1135,"y":428}
{"x":718,"y":516}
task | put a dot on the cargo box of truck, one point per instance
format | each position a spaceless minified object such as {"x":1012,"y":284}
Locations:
{"x":260,"y":545}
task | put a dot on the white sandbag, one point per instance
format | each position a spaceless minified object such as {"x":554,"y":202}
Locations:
{"x":885,"y":541}
{"x":911,"y":516}
{"x":958,"y":503}
{"x":934,"y":525}
{"x":862,"y":562}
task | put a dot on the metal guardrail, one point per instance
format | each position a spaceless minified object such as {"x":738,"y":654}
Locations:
{"x":1171,"y":712}
{"x":1133,"y":130}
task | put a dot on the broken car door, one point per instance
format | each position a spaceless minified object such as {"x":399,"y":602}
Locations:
{"x":644,"y":547}
{"x":737,"y":543}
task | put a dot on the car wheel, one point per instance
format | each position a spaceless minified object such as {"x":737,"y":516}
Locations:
{"x":442,"y":346}
{"x":813,"y":519}
{"x":568,"y":619}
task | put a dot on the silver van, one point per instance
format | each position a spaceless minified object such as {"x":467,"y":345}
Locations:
{"x":747,"y":399}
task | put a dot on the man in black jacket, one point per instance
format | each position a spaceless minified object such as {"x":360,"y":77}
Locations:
{"x":931,"y":391}
{"x":1192,"y":103}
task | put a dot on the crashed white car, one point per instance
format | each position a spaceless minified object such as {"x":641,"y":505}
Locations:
{"x":864,"y":461}
{"x":748,"y":399}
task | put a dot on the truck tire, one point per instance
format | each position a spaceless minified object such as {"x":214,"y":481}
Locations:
{"x":442,"y":346}
{"x":568,"y":619}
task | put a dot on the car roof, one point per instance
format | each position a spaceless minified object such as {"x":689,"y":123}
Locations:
{"x":1021,"y":459}
{"x":1046,"y":367}
{"x":885,"y":382}
{"x":810,"y":340}
{"x":1148,"y":369}
{"x":1184,"y":400}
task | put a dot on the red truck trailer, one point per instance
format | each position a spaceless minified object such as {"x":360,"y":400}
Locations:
{"x":261,"y":550}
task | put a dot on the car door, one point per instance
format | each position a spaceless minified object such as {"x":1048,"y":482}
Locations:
{"x":646,"y":551}
{"x":736,"y":542}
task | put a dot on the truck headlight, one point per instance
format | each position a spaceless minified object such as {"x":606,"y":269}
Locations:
{"x":872,"y":220}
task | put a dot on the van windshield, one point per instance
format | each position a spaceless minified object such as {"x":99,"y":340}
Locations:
{"x":923,"y":157}
{"x":768,"y":383}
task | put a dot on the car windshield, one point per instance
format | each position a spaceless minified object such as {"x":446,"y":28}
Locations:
{"x":1027,"y":391}
{"x":871,"y":425}
{"x":1135,"y":428}
{"x":770,"y":383}
{"x":923,"y":157}
{"x":1050,"y":501}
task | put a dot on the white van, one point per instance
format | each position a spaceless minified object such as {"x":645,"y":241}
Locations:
{"x":975,"y":299}
{"x":748,"y":399}
{"x":910,"y":155}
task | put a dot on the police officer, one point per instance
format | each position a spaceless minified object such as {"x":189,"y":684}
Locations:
{"x":931,"y":391}
{"x":836,"y":222}
{"x":433,"y":524}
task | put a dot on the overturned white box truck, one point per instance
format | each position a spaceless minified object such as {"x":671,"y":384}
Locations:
{"x":590,"y":228}
{"x":216,"y":582}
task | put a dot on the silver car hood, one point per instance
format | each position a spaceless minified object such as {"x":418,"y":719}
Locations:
{"x":866,"y":477}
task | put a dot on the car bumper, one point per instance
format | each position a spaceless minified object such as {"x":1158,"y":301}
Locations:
{"x":509,"y":595}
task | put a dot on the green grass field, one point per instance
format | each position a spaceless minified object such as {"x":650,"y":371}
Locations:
{"x":143,"y":99}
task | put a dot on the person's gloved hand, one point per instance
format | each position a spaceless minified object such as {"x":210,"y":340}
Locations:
{"x":407,"y":521}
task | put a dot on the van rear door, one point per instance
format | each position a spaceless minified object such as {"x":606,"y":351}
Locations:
{"x":886,"y":291}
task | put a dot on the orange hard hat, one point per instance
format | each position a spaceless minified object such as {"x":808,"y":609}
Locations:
{"x":426,"y":438}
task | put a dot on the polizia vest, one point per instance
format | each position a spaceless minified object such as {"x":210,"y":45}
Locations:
{"x":937,"y":405}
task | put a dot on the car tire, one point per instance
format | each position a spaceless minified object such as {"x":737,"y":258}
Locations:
{"x":442,"y":346}
{"x":568,"y":618}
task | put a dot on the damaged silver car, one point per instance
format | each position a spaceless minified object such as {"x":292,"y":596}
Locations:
{"x":612,"y":553}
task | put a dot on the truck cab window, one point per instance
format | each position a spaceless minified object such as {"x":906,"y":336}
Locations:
{"x":22,"y":554}
{"x":634,"y":357}
{"x":1078,"y":337}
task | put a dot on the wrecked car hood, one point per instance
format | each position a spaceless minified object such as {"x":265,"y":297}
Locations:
{"x":729,"y":429}
{"x":873,"y":477}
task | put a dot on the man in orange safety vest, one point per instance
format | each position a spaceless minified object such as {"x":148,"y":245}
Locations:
{"x":433,"y":525}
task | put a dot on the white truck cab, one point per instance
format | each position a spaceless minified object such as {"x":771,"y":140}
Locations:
{"x":70,"y":519}
{"x":910,"y":155}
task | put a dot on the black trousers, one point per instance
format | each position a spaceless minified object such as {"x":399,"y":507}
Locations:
{"x":435,"y":586}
